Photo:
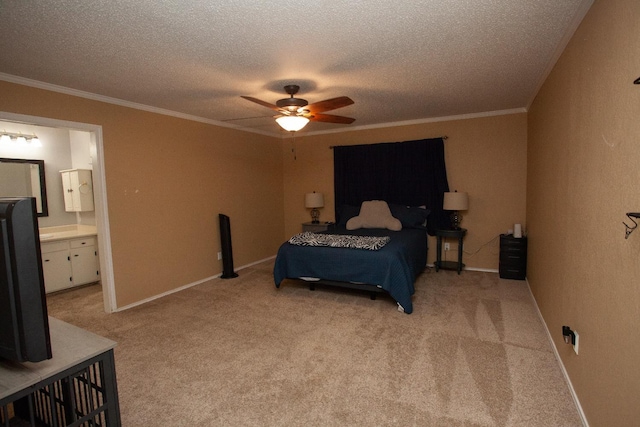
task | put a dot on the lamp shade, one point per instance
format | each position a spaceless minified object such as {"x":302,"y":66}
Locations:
{"x":292,"y":123}
{"x":313,"y":200}
{"x":455,"y":201}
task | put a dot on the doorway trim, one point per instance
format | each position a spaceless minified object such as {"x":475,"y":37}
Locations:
{"x":100,"y":196}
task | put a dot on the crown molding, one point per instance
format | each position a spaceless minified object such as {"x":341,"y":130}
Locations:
{"x":423,"y":121}
{"x":116,"y":101}
{"x":109,"y":100}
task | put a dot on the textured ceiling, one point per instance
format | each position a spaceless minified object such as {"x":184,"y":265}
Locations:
{"x":399,"y":61}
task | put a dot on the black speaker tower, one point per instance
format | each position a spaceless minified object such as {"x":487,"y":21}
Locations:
{"x":227,"y":252}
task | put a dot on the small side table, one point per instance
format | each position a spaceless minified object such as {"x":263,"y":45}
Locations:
{"x":316,"y":228}
{"x":77,"y":383}
{"x":450,"y":265}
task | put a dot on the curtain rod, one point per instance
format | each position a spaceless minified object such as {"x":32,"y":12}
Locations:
{"x":444,"y":138}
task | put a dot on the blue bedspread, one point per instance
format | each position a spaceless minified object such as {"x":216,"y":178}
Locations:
{"x":394,"y":267}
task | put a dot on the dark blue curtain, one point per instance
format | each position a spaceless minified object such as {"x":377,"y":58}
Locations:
{"x":410,"y":173}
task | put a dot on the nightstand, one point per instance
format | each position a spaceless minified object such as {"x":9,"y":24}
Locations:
{"x":316,"y":228}
{"x":513,"y":257}
{"x":450,"y":265}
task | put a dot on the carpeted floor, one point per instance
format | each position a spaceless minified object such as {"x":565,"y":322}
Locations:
{"x":240,"y":352}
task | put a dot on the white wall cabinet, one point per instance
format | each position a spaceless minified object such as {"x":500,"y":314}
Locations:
{"x":68,"y":263}
{"x":77,"y":187}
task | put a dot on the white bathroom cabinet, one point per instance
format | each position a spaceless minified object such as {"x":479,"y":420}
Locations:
{"x":68,"y":263}
{"x":77,"y":187}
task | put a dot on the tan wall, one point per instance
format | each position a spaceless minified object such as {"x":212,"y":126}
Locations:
{"x":583,"y":176}
{"x":485,"y":157}
{"x":167,"y":181}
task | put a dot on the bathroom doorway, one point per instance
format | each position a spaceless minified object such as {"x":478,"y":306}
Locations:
{"x":92,"y":134}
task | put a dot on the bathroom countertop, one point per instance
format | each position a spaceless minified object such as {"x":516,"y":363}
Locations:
{"x":64,"y":232}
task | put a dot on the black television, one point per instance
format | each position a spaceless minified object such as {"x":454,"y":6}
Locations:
{"x":24,"y":321}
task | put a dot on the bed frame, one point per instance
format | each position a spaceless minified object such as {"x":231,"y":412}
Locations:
{"x":373,"y":290}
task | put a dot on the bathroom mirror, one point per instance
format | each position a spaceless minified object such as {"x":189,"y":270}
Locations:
{"x":24,"y":178}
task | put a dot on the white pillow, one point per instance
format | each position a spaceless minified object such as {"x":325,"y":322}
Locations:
{"x":374,"y":214}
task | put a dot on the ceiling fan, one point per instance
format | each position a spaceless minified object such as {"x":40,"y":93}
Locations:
{"x":295,"y":113}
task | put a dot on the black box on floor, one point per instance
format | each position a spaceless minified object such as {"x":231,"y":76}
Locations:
{"x":513,"y":257}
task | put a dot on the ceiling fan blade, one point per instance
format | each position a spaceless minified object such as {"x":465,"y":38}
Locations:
{"x":261,"y":102}
{"x":329,"y":104}
{"x":330,"y":118}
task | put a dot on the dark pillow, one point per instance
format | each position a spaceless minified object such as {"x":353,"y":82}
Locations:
{"x":410,"y":217}
{"x":346,"y":212}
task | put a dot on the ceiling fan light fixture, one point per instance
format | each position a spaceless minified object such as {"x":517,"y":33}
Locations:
{"x":295,"y":113}
{"x":292,"y":123}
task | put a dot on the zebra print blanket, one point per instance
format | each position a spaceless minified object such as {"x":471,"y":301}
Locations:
{"x":371,"y":243}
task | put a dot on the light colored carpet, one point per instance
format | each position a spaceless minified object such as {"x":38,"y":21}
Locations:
{"x":240,"y":352}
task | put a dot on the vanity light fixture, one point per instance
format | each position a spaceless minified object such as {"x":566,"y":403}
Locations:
{"x":20,"y":138}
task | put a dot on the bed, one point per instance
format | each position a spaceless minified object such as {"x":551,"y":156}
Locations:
{"x":409,"y":176}
{"x":392,"y":268}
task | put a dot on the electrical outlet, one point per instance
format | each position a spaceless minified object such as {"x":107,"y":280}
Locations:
{"x":219,"y":256}
{"x":447,"y":247}
{"x":575,"y":346}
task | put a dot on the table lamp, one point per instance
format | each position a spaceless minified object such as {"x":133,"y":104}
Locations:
{"x":314,"y":201}
{"x":455,"y":202}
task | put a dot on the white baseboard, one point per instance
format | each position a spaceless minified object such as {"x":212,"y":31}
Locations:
{"x":581,"y":413}
{"x":187,"y":286}
{"x":257,"y":262}
{"x":485,"y":270}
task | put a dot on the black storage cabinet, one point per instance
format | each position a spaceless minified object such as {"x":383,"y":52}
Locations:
{"x":513,"y":257}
